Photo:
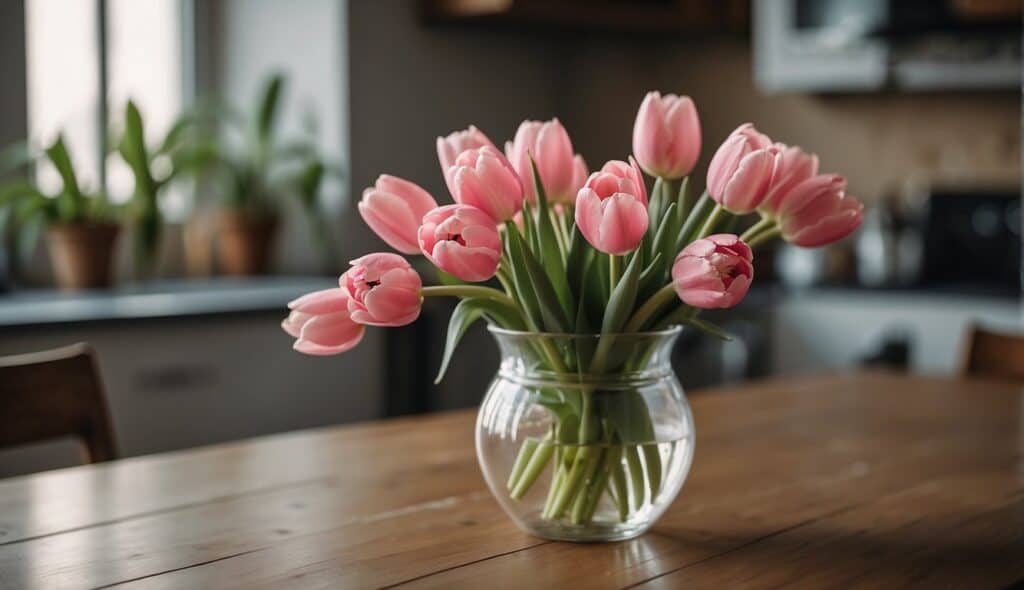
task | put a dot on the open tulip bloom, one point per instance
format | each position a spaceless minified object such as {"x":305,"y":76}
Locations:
{"x":618,"y":260}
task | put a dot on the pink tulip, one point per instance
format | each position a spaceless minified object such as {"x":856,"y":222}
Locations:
{"x":394,"y":208}
{"x":818,"y":212}
{"x":741,"y":170}
{"x":666,"y":135}
{"x":713,"y":272}
{"x":321,"y":323}
{"x":382,"y":290}
{"x":483,"y":178}
{"x":462,"y":241}
{"x":611,"y":209}
{"x":792,"y":167}
{"x":551,"y":148}
{"x":456,"y":142}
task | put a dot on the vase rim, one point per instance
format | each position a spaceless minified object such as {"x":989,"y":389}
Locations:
{"x":670,"y":331}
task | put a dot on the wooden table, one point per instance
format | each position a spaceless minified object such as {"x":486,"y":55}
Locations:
{"x":842,"y":481}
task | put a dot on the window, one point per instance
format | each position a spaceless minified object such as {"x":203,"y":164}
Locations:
{"x":144,"y":55}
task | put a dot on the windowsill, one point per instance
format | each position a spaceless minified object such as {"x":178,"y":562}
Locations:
{"x":158,"y":299}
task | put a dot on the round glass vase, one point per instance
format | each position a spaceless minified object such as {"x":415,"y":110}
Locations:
{"x":585,"y":437}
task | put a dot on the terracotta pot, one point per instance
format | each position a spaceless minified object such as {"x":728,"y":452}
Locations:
{"x":82,"y":254}
{"x":245,"y":242}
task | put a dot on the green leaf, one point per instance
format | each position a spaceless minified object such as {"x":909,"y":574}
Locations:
{"x":268,"y":108}
{"x":71,"y":200}
{"x":664,"y":239}
{"x":575,"y":261}
{"x":520,"y":278}
{"x":622,"y":299}
{"x":650,"y":276}
{"x":29,"y":207}
{"x":529,"y":229}
{"x":18,"y":190}
{"x":547,"y":243}
{"x":694,"y":221}
{"x":133,"y":149}
{"x":526,"y":267}
{"x":708,"y":328}
{"x":467,"y":312}
{"x":684,"y":201}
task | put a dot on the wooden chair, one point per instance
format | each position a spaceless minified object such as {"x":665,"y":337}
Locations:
{"x":55,"y":393}
{"x":993,"y":354}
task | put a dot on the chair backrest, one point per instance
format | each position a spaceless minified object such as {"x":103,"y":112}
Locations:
{"x":55,"y":393}
{"x":993,"y":354}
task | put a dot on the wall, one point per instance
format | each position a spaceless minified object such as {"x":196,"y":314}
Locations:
{"x":410,"y":83}
{"x":12,"y":63}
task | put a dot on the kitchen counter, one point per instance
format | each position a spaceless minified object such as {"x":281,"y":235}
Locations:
{"x":170,"y":298}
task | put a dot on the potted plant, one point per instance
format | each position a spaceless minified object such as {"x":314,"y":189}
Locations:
{"x":82,"y":227}
{"x":153,"y":170}
{"x":253,"y":172}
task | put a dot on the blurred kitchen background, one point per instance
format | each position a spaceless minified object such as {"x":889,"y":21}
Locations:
{"x":917,"y":102}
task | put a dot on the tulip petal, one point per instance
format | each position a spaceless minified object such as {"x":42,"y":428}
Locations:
{"x":320,"y":302}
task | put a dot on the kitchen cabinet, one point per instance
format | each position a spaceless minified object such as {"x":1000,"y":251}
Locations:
{"x":822,"y":329}
{"x":192,"y":379}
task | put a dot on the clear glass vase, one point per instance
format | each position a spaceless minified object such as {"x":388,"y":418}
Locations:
{"x":585,"y":437}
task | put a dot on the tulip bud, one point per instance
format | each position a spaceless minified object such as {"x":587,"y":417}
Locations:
{"x":713,"y":272}
{"x":792,"y":167}
{"x":549,"y":145}
{"x":456,"y":142}
{"x":394,"y":208}
{"x":321,"y":323}
{"x":382,"y":290}
{"x":483,"y":178}
{"x":611,"y":209}
{"x":462,"y":241}
{"x":741,"y":170}
{"x":666,"y":135}
{"x":818,"y":212}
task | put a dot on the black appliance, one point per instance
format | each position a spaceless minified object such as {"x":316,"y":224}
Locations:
{"x":972,"y":241}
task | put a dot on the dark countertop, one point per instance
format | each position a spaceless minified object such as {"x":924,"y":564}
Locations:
{"x":170,"y":298}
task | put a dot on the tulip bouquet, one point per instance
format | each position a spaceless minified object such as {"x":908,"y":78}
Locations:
{"x":535,"y":244}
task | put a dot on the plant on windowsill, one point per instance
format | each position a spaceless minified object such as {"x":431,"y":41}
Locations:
{"x":81,"y":226}
{"x":254,"y":172}
{"x":153,"y":170}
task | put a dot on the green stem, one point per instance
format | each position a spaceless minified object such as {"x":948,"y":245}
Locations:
{"x":760,"y":226}
{"x":709,"y":225}
{"x":619,"y":487}
{"x":590,"y":490}
{"x":585,"y":456}
{"x":522,"y":460}
{"x":614,"y":271}
{"x":636,"y":475}
{"x":650,"y":308}
{"x":467,"y":291}
{"x":764,"y":237}
{"x":537,"y":463}
{"x":652,"y":459}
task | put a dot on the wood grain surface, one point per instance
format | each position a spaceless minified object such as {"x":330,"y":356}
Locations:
{"x":858,"y":480}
